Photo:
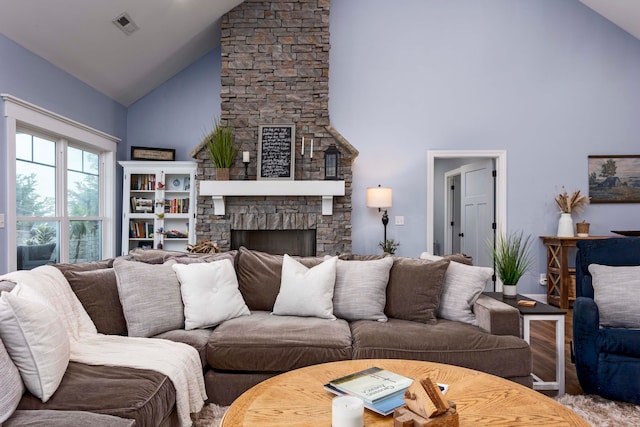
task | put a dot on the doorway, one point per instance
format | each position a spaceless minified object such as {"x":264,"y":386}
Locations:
{"x":437,"y":199}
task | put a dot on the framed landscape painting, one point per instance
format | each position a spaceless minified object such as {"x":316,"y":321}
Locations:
{"x":614,"y":179}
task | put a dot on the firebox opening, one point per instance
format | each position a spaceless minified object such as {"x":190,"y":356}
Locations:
{"x":280,"y":242}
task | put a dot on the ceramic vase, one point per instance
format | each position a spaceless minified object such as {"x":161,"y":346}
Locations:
{"x":509,"y":291}
{"x":565,"y":225}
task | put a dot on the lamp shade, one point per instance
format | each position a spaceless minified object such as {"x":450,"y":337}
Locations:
{"x":379,"y":197}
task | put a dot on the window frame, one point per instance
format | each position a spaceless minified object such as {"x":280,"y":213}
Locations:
{"x":23,"y":116}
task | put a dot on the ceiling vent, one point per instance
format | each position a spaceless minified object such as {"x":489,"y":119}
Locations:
{"x":125,"y":23}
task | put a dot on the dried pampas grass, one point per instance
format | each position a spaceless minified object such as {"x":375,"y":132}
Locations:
{"x":571,"y":203}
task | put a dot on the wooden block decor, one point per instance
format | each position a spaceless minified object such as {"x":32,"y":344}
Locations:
{"x":425,"y":406}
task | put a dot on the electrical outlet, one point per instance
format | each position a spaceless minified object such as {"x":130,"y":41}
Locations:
{"x":543,"y":279}
{"x":2,"y":220}
{"x":399,"y":220}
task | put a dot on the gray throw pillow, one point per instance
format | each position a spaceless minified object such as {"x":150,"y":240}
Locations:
{"x":612,"y":287}
{"x":361,"y":289}
{"x":12,"y":387}
{"x":150,"y":297}
{"x":463,"y":284}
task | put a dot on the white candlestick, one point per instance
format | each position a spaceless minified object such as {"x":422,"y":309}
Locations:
{"x":245,"y":156}
{"x":303,"y":146}
{"x":347,"y":411}
{"x":311,"y":151}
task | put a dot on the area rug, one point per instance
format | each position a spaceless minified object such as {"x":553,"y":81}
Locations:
{"x":210,"y":416}
{"x":601,"y":412}
{"x":597,"y":411}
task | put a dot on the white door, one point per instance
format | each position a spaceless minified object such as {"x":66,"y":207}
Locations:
{"x":477,"y":216}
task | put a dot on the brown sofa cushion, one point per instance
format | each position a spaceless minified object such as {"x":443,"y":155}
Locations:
{"x":148,"y":397}
{"x":263,"y":342}
{"x":449,"y":342}
{"x":414,"y":288}
{"x":65,"y":419}
{"x":259,"y":275}
{"x":97,"y":290}
{"x":196,"y":338}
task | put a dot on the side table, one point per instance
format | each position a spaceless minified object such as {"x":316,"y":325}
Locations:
{"x":559,"y":274}
{"x":540,"y":311}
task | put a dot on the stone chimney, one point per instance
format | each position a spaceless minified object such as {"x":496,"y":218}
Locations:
{"x":275,"y":70}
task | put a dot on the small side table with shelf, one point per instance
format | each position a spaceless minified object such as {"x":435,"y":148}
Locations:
{"x":541,"y":311}
{"x":560,"y":276}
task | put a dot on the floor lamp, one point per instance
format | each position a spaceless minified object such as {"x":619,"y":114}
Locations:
{"x":380,"y":197}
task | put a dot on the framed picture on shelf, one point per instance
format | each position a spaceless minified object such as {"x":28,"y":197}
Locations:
{"x":614,"y":179}
{"x":150,"y":153}
{"x":174,"y":184}
{"x":186,"y":186}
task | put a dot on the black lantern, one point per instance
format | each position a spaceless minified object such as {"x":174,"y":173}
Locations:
{"x":331,"y":162}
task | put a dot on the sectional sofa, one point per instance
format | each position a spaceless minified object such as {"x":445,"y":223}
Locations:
{"x":251,"y":315}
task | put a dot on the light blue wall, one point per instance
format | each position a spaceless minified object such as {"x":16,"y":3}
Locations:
{"x":180,"y":112}
{"x":549,"y":81}
{"x":31,"y":78}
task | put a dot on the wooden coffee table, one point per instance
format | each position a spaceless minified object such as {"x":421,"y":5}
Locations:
{"x":297,"y":398}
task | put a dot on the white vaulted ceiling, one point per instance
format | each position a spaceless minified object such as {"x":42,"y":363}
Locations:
{"x":79,"y":37}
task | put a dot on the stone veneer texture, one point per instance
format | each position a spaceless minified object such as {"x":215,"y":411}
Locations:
{"x":275,"y":70}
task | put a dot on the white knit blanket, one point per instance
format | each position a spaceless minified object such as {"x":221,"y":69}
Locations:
{"x":180,"y":362}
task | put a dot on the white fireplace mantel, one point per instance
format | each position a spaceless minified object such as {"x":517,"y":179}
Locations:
{"x":219,"y":189}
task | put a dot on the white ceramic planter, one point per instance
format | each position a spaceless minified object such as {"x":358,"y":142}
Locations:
{"x":565,"y":225}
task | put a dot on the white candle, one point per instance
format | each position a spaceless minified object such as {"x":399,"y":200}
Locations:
{"x":347,"y":411}
{"x":311,"y":151}
{"x":245,"y":156}
{"x":303,"y":146}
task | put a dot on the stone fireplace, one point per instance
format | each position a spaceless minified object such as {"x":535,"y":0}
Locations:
{"x":275,"y":70}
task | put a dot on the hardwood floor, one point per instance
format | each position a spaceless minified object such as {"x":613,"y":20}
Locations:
{"x":543,"y":352}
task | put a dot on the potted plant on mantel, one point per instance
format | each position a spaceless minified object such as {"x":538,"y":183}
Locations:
{"x":221,"y":150}
{"x":511,"y":258}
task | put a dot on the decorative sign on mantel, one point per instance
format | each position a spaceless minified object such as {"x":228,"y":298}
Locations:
{"x":276,"y":152}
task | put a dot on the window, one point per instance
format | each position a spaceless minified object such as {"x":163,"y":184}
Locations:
{"x":63,"y":190}
{"x":43,"y":218}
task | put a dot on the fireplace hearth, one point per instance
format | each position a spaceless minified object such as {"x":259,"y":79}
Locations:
{"x":280,"y":242}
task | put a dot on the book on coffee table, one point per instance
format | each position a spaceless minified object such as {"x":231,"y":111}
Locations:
{"x":373,"y":384}
{"x":383,"y":407}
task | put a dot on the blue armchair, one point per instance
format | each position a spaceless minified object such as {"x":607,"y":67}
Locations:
{"x":607,"y":359}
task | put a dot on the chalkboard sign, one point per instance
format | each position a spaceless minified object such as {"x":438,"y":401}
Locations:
{"x":276,"y":151}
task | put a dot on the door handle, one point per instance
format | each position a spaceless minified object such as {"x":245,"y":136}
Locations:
{"x":460,"y":234}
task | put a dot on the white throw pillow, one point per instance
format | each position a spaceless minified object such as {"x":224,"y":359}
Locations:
{"x":306,"y":291}
{"x":463,"y":284}
{"x":361,"y":289}
{"x":10,"y":384}
{"x":209,"y":293}
{"x":611,"y":289}
{"x":37,"y":342}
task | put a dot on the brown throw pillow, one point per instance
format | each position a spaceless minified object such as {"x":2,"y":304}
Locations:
{"x":259,"y":275}
{"x":413,"y":291}
{"x":97,"y":290}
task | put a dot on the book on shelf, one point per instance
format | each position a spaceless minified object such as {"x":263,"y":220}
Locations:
{"x":372,"y":384}
{"x":141,"y":205}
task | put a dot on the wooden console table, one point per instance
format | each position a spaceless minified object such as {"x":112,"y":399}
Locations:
{"x":561,"y":277}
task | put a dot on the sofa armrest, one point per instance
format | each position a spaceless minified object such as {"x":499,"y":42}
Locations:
{"x":586,"y":329}
{"x":496,"y":317}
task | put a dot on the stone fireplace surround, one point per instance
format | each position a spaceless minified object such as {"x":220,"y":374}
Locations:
{"x":275,"y":70}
